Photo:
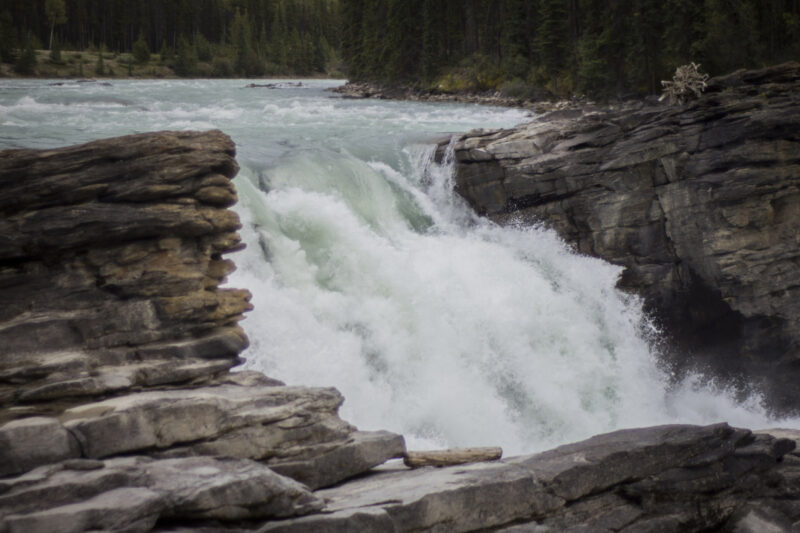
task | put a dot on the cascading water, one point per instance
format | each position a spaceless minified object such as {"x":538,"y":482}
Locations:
{"x":371,"y":275}
{"x":440,"y":325}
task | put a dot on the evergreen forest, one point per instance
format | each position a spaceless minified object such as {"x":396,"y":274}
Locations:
{"x":596,"y":47}
{"x":229,"y":37}
{"x":601,"y":48}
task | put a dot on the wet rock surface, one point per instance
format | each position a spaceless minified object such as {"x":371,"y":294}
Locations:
{"x":700,"y":203}
{"x":119,"y":413}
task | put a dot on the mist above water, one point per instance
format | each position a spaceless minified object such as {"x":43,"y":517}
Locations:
{"x":370,"y":275}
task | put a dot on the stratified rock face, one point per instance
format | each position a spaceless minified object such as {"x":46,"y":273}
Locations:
{"x":117,"y":408}
{"x":110,"y":265}
{"x":700,"y":203}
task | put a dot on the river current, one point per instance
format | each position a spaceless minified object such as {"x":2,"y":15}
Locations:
{"x":369,"y":274}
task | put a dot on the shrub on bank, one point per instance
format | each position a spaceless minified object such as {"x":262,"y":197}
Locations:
{"x":26,"y":62}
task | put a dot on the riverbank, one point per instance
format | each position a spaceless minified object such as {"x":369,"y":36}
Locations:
{"x":538,"y":103}
{"x":87,"y":64}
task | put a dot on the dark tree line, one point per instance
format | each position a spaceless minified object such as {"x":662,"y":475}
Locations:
{"x":599,"y":47}
{"x":283,"y":36}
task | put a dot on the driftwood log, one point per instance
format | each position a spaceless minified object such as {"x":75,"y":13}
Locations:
{"x":453,"y":456}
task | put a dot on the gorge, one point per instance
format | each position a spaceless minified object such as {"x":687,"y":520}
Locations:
{"x":698,"y":202}
{"x":119,"y":407}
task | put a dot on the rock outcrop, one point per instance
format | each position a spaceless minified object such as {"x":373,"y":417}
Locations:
{"x":117,"y":340}
{"x":358,"y":90}
{"x":670,"y":478}
{"x":700,"y":203}
{"x":119,"y":412}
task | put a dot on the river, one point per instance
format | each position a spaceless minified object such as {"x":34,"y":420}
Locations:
{"x":369,"y":274}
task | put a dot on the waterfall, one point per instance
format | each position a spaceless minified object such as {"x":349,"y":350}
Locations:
{"x":443,"y":326}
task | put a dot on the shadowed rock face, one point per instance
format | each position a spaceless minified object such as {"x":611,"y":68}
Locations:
{"x":699,"y":203}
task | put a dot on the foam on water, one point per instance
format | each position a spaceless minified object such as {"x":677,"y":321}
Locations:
{"x":371,"y":275}
{"x":455,"y":331}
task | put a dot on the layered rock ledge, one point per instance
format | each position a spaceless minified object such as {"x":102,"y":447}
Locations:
{"x":117,"y":341}
{"x":119,"y":411}
{"x":700,"y":203}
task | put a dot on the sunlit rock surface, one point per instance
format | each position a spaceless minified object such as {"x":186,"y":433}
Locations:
{"x":700,"y":203}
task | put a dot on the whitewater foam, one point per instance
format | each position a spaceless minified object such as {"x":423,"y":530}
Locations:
{"x":371,"y":275}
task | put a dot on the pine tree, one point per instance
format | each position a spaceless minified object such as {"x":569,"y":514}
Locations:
{"x":431,"y":42}
{"x":141,"y":52}
{"x":551,"y":38}
{"x":8,"y":36}
{"x":730,"y":36}
{"x":186,"y":59}
{"x":55,"y":52}
{"x":26,"y":62}
{"x":645,"y":47}
{"x":99,"y":67}
{"x":56,"y":13}
{"x":514,"y":47}
{"x":246,"y":61}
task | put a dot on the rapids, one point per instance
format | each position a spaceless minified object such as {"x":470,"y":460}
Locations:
{"x":369,"y":274}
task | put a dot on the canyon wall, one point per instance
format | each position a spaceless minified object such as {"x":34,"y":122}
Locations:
{"x":699,"y":202}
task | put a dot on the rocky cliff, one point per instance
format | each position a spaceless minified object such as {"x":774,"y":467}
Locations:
{"x":700,"y":203}
{"x":117,"y":340}
{"x":119,"y":412}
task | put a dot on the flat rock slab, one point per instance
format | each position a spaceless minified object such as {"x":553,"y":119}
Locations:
{"x":295,"y":430}
{"x":685,"y":478}
{"x":132,"y":493}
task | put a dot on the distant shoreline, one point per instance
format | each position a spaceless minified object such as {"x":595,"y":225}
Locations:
{"x":76,"y":65}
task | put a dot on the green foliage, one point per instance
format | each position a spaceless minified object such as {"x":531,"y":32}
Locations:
{"x":99,"y":66}
{"x":551,"y":37}
{"x":166,"y":54}
{"x":26,"y":61}
{"x":56,"y":13}
{"x":730,"y":37}
{"x":594,"y":73}
{"x":221,"y":67}
{"x":476,"y":73}
{"x":203,"y":48}
{"x":521,"y":90}
{"x":186,"y":59}
{"x":8,"y":36}
{"x":140,"y":50}
{"x":248,"y":32}
{"x":246,"y":60}
{"x":55,"y":53}
{"x":598,"y":47}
